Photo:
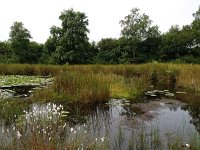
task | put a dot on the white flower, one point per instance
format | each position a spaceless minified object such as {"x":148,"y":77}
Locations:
{"x":19,"y":135}
{"x":64,"y":125}
{"x":71,"y":129}
{"x":54,"y":106}
{"x":187,"y":145}
{"x":102,"y":139}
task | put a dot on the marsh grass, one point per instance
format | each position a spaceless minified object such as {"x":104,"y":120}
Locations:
{"x":10,"y":110}
{"x":85,"y":88}
{"x":27,"y":69}
{"x":95,"y":83}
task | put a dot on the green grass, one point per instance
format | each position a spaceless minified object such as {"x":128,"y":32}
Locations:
{"x":81,"y":83}
{"x":77,"y":88}
{"x":31,"y":70}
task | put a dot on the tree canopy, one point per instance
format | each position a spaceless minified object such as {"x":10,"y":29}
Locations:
{"x":140,"y":42}
{"x":70,"y":40}
{"x":20,"y":39}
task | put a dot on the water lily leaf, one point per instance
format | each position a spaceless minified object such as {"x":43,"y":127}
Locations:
{"x":63,"y":115}
{"x":180,"y":92}
{"x":165,"y":90}
{"x":169,"y":94}
{"x":64,"y":112}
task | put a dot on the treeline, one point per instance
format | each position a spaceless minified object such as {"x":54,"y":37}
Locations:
{"x":140,"y":42}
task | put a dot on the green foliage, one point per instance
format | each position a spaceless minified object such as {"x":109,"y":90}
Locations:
{"x":5,"y":52}
{"x":69,"y":42}
{"x":196,"y":29}
{"x":35,"y":52}
{"x":177,"y":43}
{"x":140,"y":42}
{"x":137,"y":28}
{"x":108,"y":51}
{"x":20,"y":40}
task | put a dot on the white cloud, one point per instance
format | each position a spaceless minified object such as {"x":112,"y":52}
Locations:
{"x":104,"y":15}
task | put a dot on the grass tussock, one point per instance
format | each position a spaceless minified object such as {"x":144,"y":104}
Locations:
{"x":77,"y":88}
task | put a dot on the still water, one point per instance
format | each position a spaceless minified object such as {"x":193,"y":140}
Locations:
{"x":120,"y":121}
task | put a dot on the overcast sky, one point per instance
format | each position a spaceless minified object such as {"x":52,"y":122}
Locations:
{"x":104,"y":15}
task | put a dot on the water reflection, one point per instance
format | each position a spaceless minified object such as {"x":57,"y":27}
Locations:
{"x":119,"y":120}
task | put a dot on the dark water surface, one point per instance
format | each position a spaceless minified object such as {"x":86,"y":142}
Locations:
{"x":119,"y":120}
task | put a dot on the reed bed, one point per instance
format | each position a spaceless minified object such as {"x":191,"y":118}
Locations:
{"x":95,"y":83}
{"x":31,"y":70}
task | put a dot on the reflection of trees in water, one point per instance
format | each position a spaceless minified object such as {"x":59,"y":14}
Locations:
{"x":80,"y":114}
{"x":195,"y":114}
{"x":193,"y":108}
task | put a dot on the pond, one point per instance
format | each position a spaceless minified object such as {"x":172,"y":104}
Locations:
{"x":158,"y":123}
{"x":118,"y":121}
{"x":21,"y":86}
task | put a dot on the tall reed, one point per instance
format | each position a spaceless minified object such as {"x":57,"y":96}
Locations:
{"x":78,"y":88}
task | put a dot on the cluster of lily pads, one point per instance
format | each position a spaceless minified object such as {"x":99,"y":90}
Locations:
{"x":161,"y":93}
{"x":9,"y":84}
{"x":10,"y":80}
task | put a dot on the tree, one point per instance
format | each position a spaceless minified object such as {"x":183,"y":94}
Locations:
{"x":5,"y":51}
{"x":196,"y":28}
{"x":35,"y":52}
{"x":108,"y":51}
{"x":20,"y":40}
{"x":177,"y":43}
{"x":71,"y":41}
{"x":137,"y":28}
{"x":91,"y":53}
{"x":48,"y":52}
{"x":196,"y":15}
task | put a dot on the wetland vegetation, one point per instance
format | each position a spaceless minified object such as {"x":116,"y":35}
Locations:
{"x":101,"y":107}
{"x":134,"y":92}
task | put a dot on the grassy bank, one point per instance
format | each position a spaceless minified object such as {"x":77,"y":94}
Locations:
{"x":95,"y":83}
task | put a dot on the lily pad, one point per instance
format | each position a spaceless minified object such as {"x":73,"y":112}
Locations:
{"x":64,"y":112}
{"x":180,"y":92}
{"x":169,"y":94}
